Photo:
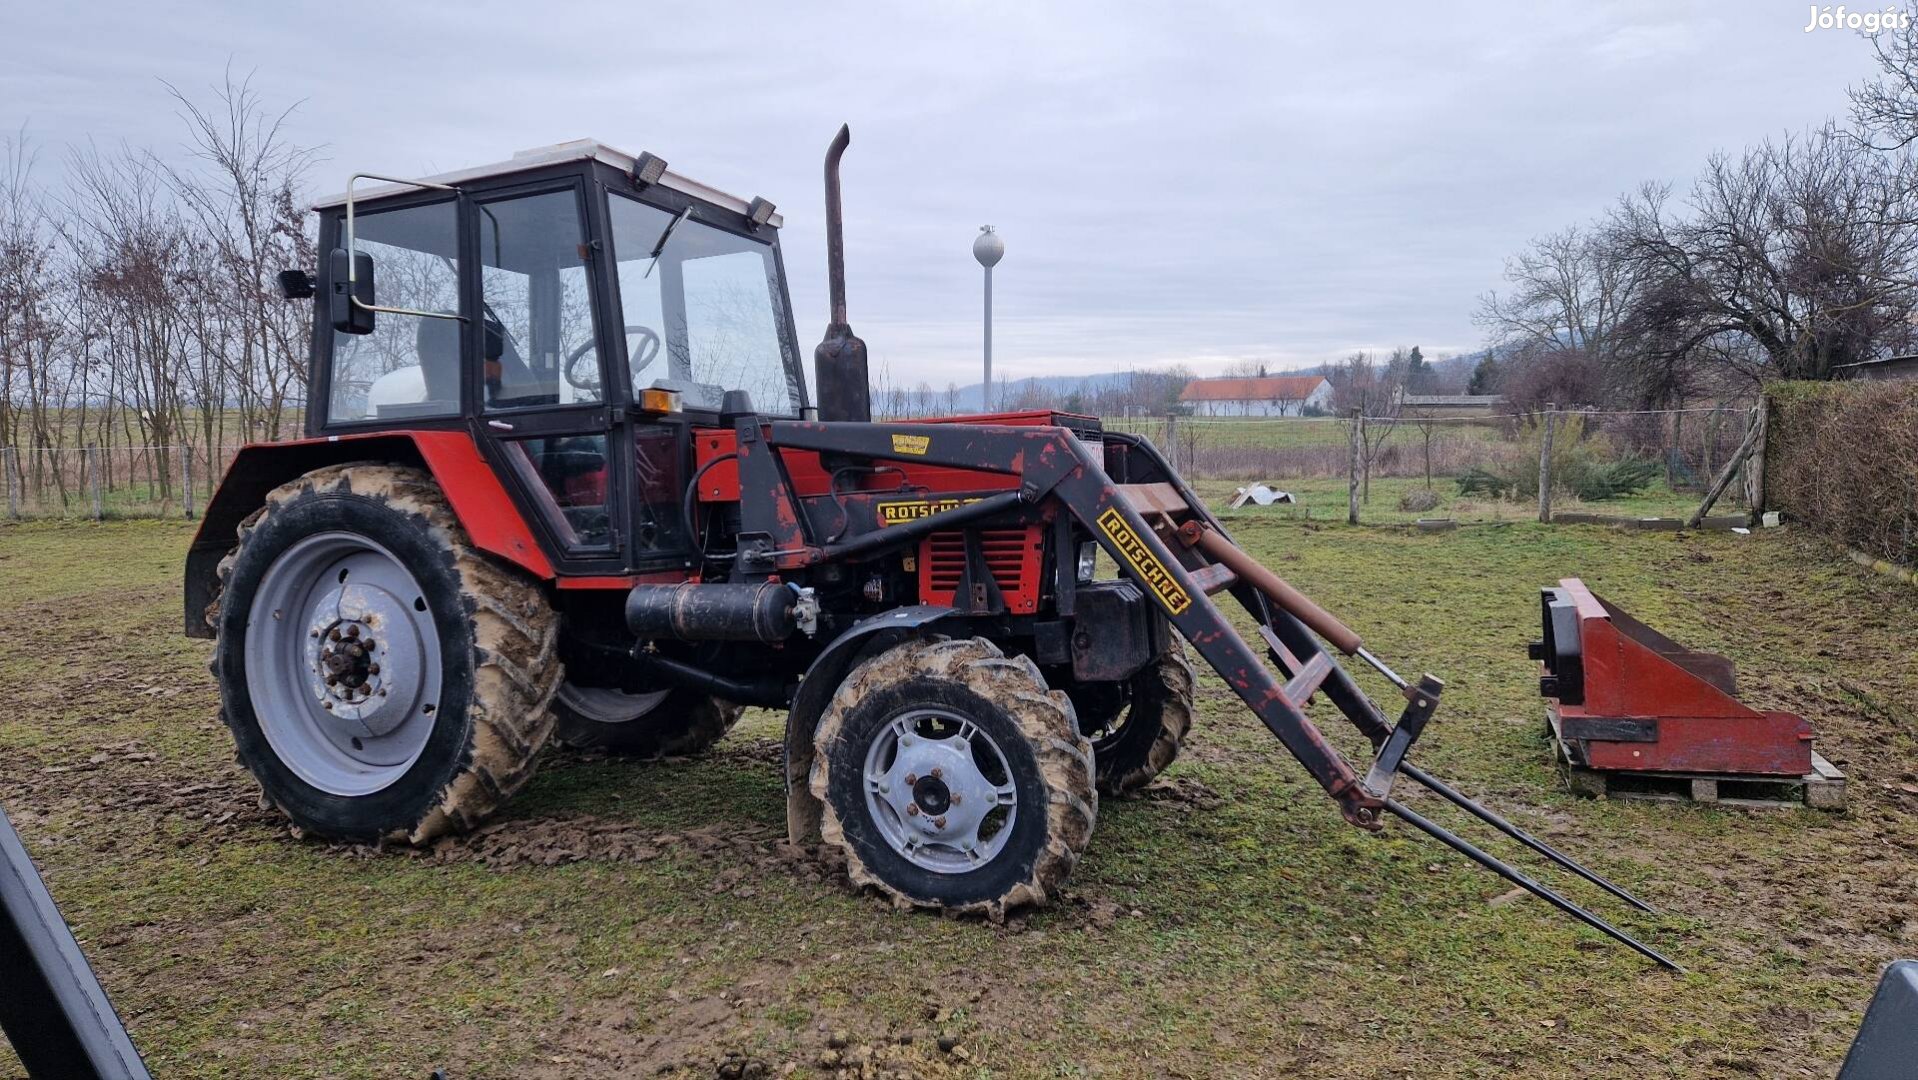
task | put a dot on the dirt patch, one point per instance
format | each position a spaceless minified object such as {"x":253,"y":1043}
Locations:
{"x":1182,"y":793}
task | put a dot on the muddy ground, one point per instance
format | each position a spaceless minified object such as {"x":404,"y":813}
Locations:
{"x":626,"y":919}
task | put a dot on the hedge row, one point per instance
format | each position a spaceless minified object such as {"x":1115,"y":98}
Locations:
{"x":1843,"y":459}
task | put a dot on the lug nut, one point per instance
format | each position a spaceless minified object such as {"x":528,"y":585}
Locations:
{"x":939,"y":822}
{"x":955,"y":798}
{"x":373,"y":669}
{"x":912,"y":810}
{"x":936,"y":772}
{"x":335,"y":635}
{"x":353,"y":631}
{"x":912,"y":778}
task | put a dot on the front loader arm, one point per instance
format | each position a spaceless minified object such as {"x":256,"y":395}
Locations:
{"x":1053,"y":464}
{"x":1123,"y":532}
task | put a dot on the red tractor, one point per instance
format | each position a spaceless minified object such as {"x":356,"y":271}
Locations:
{"x":563,"y":478}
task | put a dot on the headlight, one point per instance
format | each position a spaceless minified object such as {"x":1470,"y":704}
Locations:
{"x":1088,"y":560}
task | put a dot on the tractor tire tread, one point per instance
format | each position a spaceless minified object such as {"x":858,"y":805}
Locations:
{"x":515,"y":633}
{"x":1044,"y":717}
{"x":1172,"y":681}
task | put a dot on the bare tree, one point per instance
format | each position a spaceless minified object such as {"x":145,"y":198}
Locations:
{"x":1784,"y":261}
{"x":1359,"y":383}
{"x":243,"y":201}
{"x":1886,"y":109}
{"x":1571,"y":289}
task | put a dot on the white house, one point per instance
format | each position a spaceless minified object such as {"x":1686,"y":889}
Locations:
{"x":1271,"y":395}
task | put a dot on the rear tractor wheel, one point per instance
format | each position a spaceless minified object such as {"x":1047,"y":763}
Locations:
{"x":383,"y":679}
{"x":663,"y":723}
{"x":1137,"y":727}
{"x":953,"y":778}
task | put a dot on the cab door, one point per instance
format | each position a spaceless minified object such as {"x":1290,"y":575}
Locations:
{"x":547,"y":413}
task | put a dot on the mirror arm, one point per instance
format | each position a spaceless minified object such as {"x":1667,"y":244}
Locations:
{"x":352,"y":250}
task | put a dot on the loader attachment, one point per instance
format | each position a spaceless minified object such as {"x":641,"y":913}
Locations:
{"x":1171,"y":546}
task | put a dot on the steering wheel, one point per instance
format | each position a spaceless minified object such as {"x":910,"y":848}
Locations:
{"x":589,"y":379}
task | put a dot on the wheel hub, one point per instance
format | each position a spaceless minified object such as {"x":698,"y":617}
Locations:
{"x":347,"y":661}
{"x":364,"y":655}
{"x":931,"y":795}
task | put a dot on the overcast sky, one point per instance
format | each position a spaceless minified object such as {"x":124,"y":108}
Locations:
{"x":1175,"y":182}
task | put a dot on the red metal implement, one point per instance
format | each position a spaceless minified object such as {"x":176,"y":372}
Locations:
{"x":1628,"y":698}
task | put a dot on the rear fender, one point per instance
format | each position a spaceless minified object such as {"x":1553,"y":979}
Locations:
{"x":866,"y":638}
{"x":472,"y":488}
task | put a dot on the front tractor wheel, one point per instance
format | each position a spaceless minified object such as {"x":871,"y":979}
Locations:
{"x":662,"y":723}
{"x":383,"y":679}
{"x":1138,"y":727}
{"x":953,"y":778}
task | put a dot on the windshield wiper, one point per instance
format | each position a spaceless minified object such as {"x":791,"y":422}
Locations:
{"x":664,"y":237}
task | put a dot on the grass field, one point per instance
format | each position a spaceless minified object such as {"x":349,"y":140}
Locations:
{"x":628,"y":919}
{"x":1324,"y":500}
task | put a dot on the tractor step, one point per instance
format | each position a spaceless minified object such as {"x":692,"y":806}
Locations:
{"x":1823,"y":788}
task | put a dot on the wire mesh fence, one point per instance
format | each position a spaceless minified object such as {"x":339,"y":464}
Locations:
{"x":1639,"y":464}
{"x":1398,"y":468}
{"x":110,"y":482}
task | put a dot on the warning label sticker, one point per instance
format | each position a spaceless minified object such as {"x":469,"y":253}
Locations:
{"x":916,"y":445}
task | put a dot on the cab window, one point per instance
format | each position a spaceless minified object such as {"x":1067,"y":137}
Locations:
{"x":408,"y":366}
{"x":703,"y":310}
{"x":536,"y":279}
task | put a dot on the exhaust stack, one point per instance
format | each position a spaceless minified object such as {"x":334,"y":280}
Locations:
{"x":839,"y":363}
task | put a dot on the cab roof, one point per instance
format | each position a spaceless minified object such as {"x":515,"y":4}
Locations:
{"x":556,"y":154}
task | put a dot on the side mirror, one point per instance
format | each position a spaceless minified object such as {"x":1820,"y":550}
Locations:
{"x":349,"y":281}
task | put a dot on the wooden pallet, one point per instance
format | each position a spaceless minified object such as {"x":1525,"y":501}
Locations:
{"x":1821,"y":789}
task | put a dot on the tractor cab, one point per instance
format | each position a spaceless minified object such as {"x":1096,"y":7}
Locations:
{"x":578,"y":310}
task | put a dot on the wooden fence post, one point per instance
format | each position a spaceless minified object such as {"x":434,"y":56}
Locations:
{"x":1755,"y":471}
{"x":10,"y":463}
{"x":1358,"y":455}
{"x":1172,"y":441}
{"x":92,"y":460}
{"x":1724,"y":479}
{"x":1545,"y":463}
{"x":186,"y":482}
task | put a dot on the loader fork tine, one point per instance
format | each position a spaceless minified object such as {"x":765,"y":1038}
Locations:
{"x":1497,"y":866}
{"x":1451,"y":795}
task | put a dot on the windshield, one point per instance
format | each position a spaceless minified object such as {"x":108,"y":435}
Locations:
{"x":703,"y":309}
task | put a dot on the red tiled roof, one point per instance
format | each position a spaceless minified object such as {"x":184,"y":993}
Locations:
{"x":1271,"y":388}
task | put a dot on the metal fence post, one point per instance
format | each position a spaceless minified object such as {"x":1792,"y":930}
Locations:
{"x":93,"y":475}
{"x":1358,"y":454}
{"x":1545,"y":463}
{"x":186,"y":482}
{"x":10,"y":464}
